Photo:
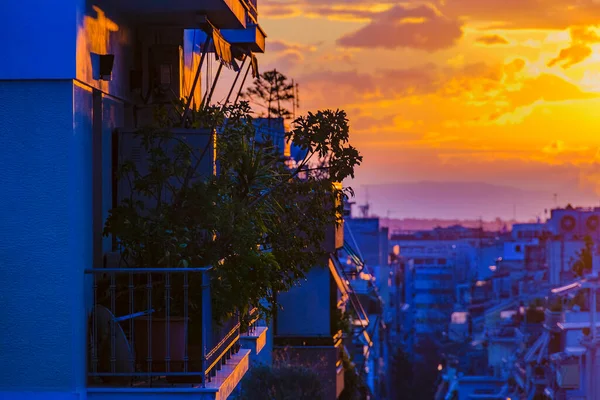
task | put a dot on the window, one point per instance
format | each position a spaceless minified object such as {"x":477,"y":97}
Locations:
{"x":518,"y":248}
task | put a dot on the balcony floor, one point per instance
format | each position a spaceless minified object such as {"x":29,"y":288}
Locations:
{"x":219,"y":388}
{"x":255,"y":341}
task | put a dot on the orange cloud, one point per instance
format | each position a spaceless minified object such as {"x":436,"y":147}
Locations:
{"x":491,"y":40}
{"x":571,"y":55}
{"x":352,"y":10}
{"x":422,"y":27}
{"x":526,"y":14}
{"x":278,"y":46}
{"x":579,"y":49}
{"x":412,"y":103}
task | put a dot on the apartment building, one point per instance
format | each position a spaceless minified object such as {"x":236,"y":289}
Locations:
{"x":74,"y":73}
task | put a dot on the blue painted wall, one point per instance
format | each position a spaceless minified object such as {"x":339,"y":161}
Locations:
{"x":365,"y":231}
{"x":45,"y":214}
{"x":39,"y":39}
{"x":306,"y":308}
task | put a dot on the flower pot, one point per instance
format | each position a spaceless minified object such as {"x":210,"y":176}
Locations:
{"x":156,"y":341}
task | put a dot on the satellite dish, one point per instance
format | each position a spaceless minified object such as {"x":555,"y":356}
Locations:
{"x":125,"y":359}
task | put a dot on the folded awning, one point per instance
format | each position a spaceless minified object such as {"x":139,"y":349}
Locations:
{"x":223,"y":50}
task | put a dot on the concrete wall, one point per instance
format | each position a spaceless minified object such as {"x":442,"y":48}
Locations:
{"x":306,"y":308}
{"x":49,"y":222}
{"x":365,"y":231}
{"x":39,"y":39}
{"x":46,"y":235}
{"x":100,"y":32}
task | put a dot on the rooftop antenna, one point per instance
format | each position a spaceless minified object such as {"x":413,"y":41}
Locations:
{"x":555,"y":199}
{"x":364,"y":209}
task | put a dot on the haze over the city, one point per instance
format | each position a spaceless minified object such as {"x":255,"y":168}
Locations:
{"x":467,"y":200}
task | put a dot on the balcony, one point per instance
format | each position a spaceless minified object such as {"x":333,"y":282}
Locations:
{"x":151,"y":333}
{"x":254,"y":337}
{"x":223,"y":14}
{"x":252,"y":7}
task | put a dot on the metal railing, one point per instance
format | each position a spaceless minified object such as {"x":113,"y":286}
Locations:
{"x":154,"y":325}
{"x":252,"y":9}
{"x":250,"y":329}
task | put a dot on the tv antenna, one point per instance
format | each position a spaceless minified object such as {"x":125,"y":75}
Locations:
{"x":364,"y":209}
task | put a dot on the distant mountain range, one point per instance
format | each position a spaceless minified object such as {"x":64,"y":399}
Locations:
{"x":415,"y":224}
{"x":457,"y":201}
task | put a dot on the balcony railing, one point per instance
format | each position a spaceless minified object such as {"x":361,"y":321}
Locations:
{"x":251,"y":7}
{"x":153,"y":326}
{"x":254,"y":317}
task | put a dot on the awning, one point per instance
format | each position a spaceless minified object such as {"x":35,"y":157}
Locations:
{"x":223,"y":50}
{"x":254,"y":65}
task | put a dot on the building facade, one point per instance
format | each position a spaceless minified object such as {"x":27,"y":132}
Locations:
{"x":73,"y":72}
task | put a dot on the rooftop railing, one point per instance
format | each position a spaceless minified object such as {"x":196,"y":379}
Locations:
{"x":151,"y":326}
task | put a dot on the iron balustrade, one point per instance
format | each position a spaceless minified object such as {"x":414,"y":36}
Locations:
{"x":251,"y":7}
{"x":150,"y":325}
{"x":253,"y":321}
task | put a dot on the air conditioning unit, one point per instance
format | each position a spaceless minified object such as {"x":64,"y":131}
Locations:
{"x":568,"y":224}
{"x":592,"y":224}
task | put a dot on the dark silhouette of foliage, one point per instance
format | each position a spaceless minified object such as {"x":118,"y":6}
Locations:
{"x":414,"y":377}
{"x":274,"y":90}
{"x":256,"y":221}
{"x":583,"y":261}
{"x":354,"y":385}
{"x":282,"y":383}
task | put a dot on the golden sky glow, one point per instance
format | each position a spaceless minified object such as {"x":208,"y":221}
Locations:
{"x":502,"y":91}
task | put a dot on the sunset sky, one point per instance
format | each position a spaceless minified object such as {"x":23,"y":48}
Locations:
{"x":498,"y":91}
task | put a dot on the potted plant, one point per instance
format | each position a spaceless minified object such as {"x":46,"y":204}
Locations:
{"x":254,"y":219}
{"x":152,"y":228}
